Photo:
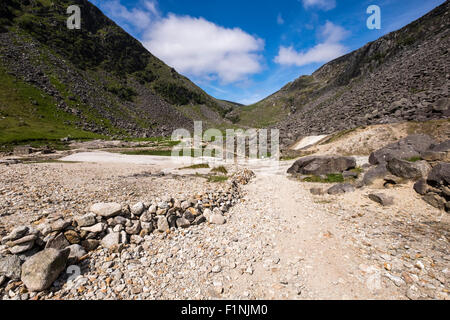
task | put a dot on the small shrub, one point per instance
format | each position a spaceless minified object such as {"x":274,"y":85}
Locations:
{"x":220,"y":169}
{"x":331,"y":178}
{"x":217,"y":178}
{"x":197,"y":166}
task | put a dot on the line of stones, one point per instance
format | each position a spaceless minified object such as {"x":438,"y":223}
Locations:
{"x":112,"y":226}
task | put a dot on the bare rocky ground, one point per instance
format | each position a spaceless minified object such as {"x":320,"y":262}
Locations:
{"x":279,"y":242}
{"x":29,"y":192}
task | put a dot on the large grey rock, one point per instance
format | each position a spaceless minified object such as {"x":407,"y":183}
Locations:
{"x":409,"y":147}
{"x":60,"y":225}
{"x":183,"y":223}
{"x":58,"y":242}
{"x":378,"y":172}
{"x":146,"y":217}
{"x":96,"y":228}
{"x":441,"y":147}
{"x":106,"y":210}
{"x":86,"y":220}
{"x":137,"y":209}
{"x":111,"y":240}
{"x":317,"y":165}
{"x":43,"y":268}
{"x":341,"y":188}
{"x":135,"y":228}
{"x":10,"y":267}
{"x":382,"y":199}
{"x":407,"y":169}
{"x":438,"y":152}
{"x":162,"y":224}
{"x":439,"y":175}
{"x":421,"y":186}
{"x":76,"y":253}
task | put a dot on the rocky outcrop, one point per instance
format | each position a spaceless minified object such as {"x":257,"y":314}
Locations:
{"x":341,"y":188}
{"x":318,"y":165}
{"x":409,"y":170}
{"x":396,"y":78}
{"x":410,"y":158}
{"x":410,"y":147}
{"x":435,"y":189}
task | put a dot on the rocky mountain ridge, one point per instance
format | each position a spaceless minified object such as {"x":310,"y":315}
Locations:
{"x":100,"y":77}
{"x":403,"y":76}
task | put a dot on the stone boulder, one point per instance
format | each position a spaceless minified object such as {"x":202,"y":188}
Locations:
{"x":378,"y":172}
{"x":43,"y":268}
{"x":318,"y":165}
{"x":407,"y":169}
{"x":111,"y":240}
{"x":438,"y":152}
{"x":86,"y":221}
{"x":137,"y":209}
{"x":10,"y":267}
{"x":407,"y":148}
{"x":439,"y":175}
{"x":421,"y":187}
{"x":435,"y":189}
{"x":76,"y":253}
{"x":163,"y":224}
{"x":58,"y":242}
{"x":106,"y":210}
{"x":382,"y":199}
{"x":341,"y":188}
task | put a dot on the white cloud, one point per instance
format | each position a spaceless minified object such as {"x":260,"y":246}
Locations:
{"x":322,"y":4}
{"x":140,"y":19}
{"x":325,"y":51}
{"x":280,"y":19}
{"x":193,"y":46}
{"x":201,"y":48}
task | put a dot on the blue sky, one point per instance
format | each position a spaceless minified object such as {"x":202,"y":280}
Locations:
{"x":243,"y":50}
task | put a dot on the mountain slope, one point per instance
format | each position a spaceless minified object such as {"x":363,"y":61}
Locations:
{"x":98,"y":80}
{"x":403,"y":76}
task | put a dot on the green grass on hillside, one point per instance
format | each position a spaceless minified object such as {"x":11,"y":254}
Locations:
{"x":29,"y":115}
{"x":261,"y":115}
